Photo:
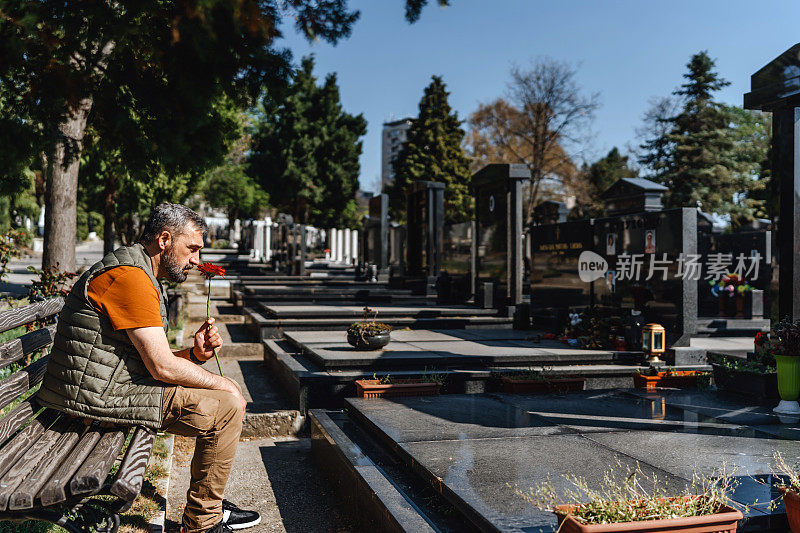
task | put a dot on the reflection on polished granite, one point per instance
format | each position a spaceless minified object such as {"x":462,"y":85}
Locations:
{"x":479,"y":448}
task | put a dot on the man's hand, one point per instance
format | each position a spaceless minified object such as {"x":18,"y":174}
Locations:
{"x":206,"y":339}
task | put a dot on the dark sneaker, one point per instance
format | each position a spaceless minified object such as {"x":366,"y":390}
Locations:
{"x":236,"y":518}
{"x":220,"y":527}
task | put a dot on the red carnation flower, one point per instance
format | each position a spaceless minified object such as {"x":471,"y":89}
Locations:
{"x":209,"y":270}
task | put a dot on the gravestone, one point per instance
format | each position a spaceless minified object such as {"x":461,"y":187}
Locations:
{"x":550,"y":212}
{"x":425,"y":218}
{"x":376,"y":234}
{"x":456,"y":283}
{"x":638,"y":234}
{"x":776,"y":88}
{"x":633,"y":195}
{"x":498,"y":234}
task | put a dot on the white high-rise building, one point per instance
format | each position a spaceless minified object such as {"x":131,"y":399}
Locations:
{"x":392,"y":139}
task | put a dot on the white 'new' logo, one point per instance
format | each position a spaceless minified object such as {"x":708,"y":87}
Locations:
{"x":591,"y":266}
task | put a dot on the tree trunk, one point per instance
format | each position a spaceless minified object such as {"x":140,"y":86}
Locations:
{"x":109,"y":213}
{"x":61,"y":190}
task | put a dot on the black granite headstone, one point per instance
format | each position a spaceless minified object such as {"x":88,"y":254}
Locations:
{"x":425,"y":216}
{"x":457,"y":262}
{"x":776,"y":88}
{"x":376,"y":233}
{"x":498,"y":236}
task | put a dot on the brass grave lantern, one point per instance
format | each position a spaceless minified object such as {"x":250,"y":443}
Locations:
{"x":653,"y":340}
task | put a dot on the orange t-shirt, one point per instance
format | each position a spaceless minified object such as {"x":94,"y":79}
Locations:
{"x":126,"y":295}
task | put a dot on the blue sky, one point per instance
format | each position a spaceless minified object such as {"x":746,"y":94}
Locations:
{"x":628,"y":50}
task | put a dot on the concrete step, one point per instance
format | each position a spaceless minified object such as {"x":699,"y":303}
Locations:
{"x":268,"y":413}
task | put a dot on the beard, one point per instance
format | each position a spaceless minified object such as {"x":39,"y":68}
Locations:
{"x":176,"y":272}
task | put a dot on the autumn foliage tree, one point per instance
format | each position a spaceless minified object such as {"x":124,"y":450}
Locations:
{"x":545,"y":114}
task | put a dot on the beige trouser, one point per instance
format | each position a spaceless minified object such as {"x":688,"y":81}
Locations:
{"x":215,"y":418}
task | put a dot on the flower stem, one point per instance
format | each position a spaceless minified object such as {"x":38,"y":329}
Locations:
{"x":208,"y":314}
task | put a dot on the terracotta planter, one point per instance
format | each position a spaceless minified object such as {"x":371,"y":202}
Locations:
{"x":792,"y":500}
{"x":373,"y":388}
{"x":725,"y":521}
{"x":542,"y":386}
{"x":686,"y":379}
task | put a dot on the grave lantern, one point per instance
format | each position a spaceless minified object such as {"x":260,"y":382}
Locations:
{"x":653,"y":336}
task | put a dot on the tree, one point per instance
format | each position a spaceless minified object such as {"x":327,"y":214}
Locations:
{"x":656,"y":149}
{"x":498,"y":133}
{"x":159,"y":63}
{"x":708,"y":155}
{"x":229,"y":186}
{"x":306,"y":149}
{"x":545,"y":117}
{"x":433,"y":152}
{"x":598,"y":177}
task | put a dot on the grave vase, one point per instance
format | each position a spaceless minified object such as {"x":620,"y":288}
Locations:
{"x":788,"y":384}
{"x":723,"y":305}
{"x":739,"y":305}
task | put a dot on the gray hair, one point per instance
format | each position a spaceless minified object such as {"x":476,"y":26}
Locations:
{"x":172,"y":218}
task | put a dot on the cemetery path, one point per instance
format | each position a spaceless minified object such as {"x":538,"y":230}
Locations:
{"x":276,"y":477}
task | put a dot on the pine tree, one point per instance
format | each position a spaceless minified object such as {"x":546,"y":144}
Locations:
{"x":306,"y":150}
{"x":598,"y":177}
{"x":433,"y":152}
{"x":703,"y":166}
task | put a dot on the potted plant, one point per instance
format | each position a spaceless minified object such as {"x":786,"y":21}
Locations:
{"x":755,"y":376}
{"x":783,"y":343}
{"x":631,"y":501}
{"x":789,"y":489}
{"x":389,"y":387}
{"x":539,"y":381}
{"x":369,"y":335}
{"x":678,"y":379}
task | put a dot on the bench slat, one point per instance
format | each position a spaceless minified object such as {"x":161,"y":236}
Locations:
{"x":92,"y":473}
{"x":130,"y":477}
{"x":55,"y":489}
{"x":22,"y":497}
{"x":15,"y":349}
{"x":17,"y":446}
{"x":28,"y":462}
{"x":14,"y":419}
{"x":19,"y":316}
{"x":18,"y":383}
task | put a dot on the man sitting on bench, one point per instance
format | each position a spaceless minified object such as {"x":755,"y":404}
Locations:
{"x":111,"y":361}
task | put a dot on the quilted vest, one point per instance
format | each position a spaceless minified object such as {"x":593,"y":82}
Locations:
{"x":94,"y":371}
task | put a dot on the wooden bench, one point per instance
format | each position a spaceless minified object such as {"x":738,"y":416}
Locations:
{"x":52,"y":466}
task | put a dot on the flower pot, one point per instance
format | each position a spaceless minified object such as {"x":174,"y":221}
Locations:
{"x":791,"y":499}
{"x":373,"y":388}
{"x":368,"y":342}
{"x":725,"y":521}
{"x":755,"y":385}
{"x":542,"y":386}
{"x":788,"y":384}
{"x":723,"y":305}
{"x":739,"y":305}
{"x":686,"y":379}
